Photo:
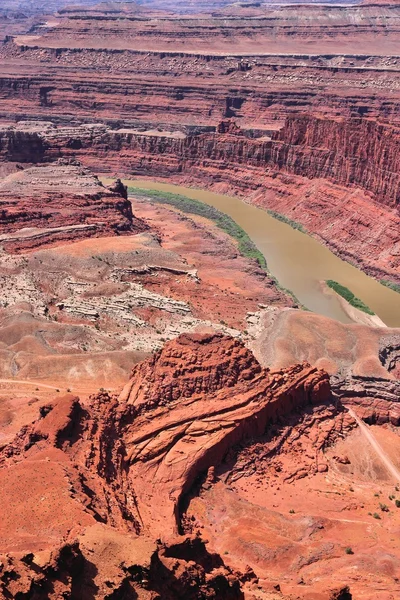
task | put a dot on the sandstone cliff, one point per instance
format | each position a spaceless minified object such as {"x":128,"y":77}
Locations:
{"x":42,"y":205}
{"x":315,"y":171}
{"x":357,"y":152}
{"x":117,"y":469}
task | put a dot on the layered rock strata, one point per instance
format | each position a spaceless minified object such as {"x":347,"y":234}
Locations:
{"x":126,"y":463}
{"x":359,"y":152}
{"x":44,"y":205}
{"x":293,"y":173}
{"x":135,"y":87}
{"x":164,"y":83}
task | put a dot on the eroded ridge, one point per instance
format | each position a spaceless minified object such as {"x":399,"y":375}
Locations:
{"x":117,"y":468}
{"x":50,"y":204}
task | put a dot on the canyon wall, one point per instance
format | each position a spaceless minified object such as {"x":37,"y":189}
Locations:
{"x":339,"y":178}
{"x":43,"y":205}
{"x":101,"y":79}
{"x":358,"y":152}
{"x":315,"y":93}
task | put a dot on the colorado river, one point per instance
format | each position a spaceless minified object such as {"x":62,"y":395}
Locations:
{"x":297,"y":260}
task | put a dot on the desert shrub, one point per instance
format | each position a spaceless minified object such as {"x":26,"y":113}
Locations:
{"x":195,"y":207}
{"x":293,"y":224}
{"x":349,"y":296}
{"x":187,"y":205}
{"x":390,"y":284}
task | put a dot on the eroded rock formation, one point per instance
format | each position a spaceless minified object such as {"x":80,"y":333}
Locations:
{"x":125,"y":463}
{"x":296,"y":173}
{"x":42,"y":205}
{"x":359,"y":152}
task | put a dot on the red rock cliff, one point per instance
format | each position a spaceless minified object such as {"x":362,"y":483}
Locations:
{"x":45,"y":204}
{"x":352,"y":152}
{"x":106,"y":477}
{"x":356,"y":152}
{"x":315,"y":171}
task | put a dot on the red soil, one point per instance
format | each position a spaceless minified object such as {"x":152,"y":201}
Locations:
{"x":109,"y":460}
{"x":207,"y":461}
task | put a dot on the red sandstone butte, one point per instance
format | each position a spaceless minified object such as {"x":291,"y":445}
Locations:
{"x":48,"y":204}
{"x":126,"y":463}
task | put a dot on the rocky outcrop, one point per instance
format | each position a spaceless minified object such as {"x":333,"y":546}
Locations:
{"x":184,"y":569}
{"x":21,"y":146}
{"x":359,"y":152}
{"x":389,"y":354}
{"x":43,"y":205}
{"x":228,"y":397}
{"x":289,"y":173}
{"x":119,"y":468}
{"x":375,"y":400}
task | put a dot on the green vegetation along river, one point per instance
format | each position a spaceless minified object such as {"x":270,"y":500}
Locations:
{"x":299,"y":262}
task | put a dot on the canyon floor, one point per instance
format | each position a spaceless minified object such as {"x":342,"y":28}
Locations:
{"x":173,"y":423}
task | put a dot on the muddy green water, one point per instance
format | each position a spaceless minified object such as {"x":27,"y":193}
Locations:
{"x":298,"y":261}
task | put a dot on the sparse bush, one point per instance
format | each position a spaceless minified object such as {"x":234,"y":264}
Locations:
{"x":349,"y":550}
{"x":286,"y":220}
{"x":291,"y":511}
{"x":397,"y":503}
{"x":246,"y":246}
{"x":195,"y":207}
{"x":390,"y":284}
{"x":376,"y":515}
{"x":349,"y":296}
{"x":383,"y":507}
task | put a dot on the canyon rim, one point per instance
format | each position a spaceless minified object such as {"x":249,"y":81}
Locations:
{"x":199,"y":300}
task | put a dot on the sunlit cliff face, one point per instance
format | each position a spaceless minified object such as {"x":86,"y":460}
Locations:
{"x":173,"y":422}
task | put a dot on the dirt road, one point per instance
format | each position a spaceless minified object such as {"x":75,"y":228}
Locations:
{"x":393,"y":470}
{"x":33,"y":383}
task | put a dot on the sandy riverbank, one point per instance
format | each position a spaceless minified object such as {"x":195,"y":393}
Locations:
{"x":357,"y":315}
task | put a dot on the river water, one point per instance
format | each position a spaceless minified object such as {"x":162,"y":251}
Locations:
{"x":298,"y":261}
